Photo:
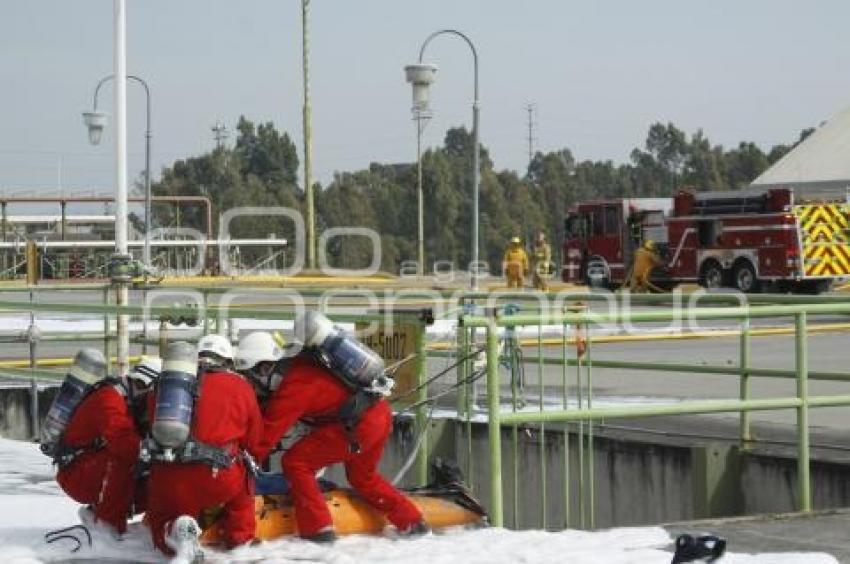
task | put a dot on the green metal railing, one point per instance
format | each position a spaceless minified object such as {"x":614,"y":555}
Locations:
{"x":584,"y":415}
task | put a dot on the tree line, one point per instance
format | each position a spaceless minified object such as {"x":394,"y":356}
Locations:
{"x":261,"y":170}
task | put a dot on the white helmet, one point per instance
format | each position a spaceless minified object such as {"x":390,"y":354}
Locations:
{"x":217,"y":345}
{"x":147,"y":370}
{"x":255,"y":348}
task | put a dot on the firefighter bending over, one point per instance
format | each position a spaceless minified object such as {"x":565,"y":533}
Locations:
{"x":351,"y":424}
{"x":646,"y":258}
{"x":515,"y":264}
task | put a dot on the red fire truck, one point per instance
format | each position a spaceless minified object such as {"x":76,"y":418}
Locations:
{"x":751,"y":241}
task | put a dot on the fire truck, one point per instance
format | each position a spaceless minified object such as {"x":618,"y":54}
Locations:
{"x":751,"y":241}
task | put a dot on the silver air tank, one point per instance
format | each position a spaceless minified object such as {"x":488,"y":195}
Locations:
{"x":175,"y":396}
{"x":89,"y":368}
{"x":353,"y":361}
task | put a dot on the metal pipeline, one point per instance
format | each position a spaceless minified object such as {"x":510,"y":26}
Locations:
{"x":64,"y":200}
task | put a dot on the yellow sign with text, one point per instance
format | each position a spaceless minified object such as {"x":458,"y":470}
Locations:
{"x":395,"y":343}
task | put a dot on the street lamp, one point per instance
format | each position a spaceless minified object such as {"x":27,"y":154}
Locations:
{"x":96,"y":121}
{"x":420,"y":76}
{"x":420,"y":96}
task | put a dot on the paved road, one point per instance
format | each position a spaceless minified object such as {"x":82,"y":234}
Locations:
{"x":818,"y":532}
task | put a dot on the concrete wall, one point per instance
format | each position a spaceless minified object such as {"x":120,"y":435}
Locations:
{"x":637,"y":482}
{"x":15,"y":409}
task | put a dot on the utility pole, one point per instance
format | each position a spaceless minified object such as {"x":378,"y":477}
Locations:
{"x":308,"y":141}
{"x":532,"y":109}
{"x":220,"y":134}
{"x":120,"y":145}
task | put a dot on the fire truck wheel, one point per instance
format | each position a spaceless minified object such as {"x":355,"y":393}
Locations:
{"x":744,"y":276}
{"x":711,"y":275}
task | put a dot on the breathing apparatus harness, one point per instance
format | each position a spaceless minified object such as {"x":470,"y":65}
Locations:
{"x":64,"y":454}
{"x":191,"y":450}
{"x":361,"y":398}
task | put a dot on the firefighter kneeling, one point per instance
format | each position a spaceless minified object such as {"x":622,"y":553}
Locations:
{"x":92,"y":432}
{"x":337,"y":385}
{"x":204,"y":421}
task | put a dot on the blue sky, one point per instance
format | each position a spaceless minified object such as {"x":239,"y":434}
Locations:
{"x":599,"y":72}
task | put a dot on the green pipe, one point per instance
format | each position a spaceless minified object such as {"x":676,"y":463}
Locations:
{"x":421,"y":411}
{"x":494,"y":427}
{"x":234,"y":312}
{"x":660,"y":315}
{"x":681,"y":408}
{"x":802,"y":362}
{"x":688,"y":369}
{"x":744,"y":365}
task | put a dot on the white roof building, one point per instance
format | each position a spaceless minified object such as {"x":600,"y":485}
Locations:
{"x":817,"y":167}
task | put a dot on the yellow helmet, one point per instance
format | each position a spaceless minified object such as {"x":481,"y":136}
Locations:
{"x":516,"y":240}
{"x":649,"y":245}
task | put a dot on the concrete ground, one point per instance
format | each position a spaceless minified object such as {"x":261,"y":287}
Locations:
{"x":817,"y":532}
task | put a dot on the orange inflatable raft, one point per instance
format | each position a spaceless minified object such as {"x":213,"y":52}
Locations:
{"x":446,"y":503}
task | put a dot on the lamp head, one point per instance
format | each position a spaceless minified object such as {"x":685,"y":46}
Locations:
{"x":95,"y":121}
{"x":421,"y":76}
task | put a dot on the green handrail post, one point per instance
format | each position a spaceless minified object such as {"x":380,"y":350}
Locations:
{"x":460,"y":369}
{"x":565,"y":405}
{"x":542,"y":397}
{"x":494,"y":426}
{"x":421,"y":411}
{"x":106,"y":352}
{"x":468,"y":394}
{"x":801,"y":361}
{"x":591,"y":478}
{"x":205,"y":296}
{"x":744,"y":365}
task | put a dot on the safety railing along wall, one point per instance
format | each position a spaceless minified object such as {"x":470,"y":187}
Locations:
{"x":486,"y":329}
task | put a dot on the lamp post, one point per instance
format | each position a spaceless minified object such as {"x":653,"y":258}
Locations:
{"x":420,"y":76}
{"x":420,"y":95}
{"x":96,"y":121}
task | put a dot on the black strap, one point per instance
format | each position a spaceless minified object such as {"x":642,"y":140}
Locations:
{"x":192,"y":451}
{"x":64,"y":454}
{"x":352,"y":411}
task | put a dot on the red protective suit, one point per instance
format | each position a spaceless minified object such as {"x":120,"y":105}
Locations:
{"x":103,"y":477}
{"x":310,"y":392}
{"x":226,"y":415}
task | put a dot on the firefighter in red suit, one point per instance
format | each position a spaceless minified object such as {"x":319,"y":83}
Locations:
{"x":226,"y":418}
{"x":308,"y":391}
{"x":105,"y":431}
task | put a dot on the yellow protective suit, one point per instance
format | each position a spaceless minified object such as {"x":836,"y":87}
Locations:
{"x":515,"y":265}
{"x":542,"y":255}
{"x":644,"y":261}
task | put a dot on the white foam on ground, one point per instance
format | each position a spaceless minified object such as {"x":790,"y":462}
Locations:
{"x":32,"y":504}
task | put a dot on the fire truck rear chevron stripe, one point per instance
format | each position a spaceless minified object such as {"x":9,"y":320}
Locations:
{"x":824,"y":235}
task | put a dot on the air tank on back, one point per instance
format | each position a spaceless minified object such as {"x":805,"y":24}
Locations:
{"x":353,"y":361}
{"x":88,"y":369}
{"x":175,"y":396}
